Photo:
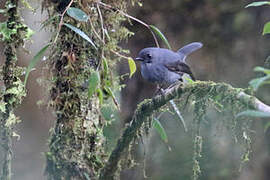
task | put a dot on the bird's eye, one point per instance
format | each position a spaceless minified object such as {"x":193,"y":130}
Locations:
{"x":149,"y":56}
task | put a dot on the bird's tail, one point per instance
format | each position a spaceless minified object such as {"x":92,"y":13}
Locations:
{"x":187,"y":49}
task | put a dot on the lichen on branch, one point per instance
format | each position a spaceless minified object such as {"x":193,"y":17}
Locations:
{"x":221,"y":93}
{"x":12,"y":34}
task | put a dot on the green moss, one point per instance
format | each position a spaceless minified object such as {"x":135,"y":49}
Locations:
{"x":12,"y":34}
{"x":77,"y":144}
{"x":6,"y":32}
{"x":17,"y":32}
{"x":223,"y":98}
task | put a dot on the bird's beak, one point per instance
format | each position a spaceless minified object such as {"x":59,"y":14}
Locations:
{"x":139,"y":59}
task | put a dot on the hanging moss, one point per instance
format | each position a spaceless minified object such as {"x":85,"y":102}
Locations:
{"x":204,"y":95}
{"x":199,"y":111}
{"x":224,"y":97}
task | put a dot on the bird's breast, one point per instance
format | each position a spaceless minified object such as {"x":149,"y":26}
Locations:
{"x":153,"y":72}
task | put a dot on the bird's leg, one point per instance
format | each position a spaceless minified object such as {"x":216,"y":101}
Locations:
{"x":175,"y":108}
{"x":159,"y":90}
{"x":173,"y":84}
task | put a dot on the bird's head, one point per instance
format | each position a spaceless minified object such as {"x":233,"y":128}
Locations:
{"x":157,"y":55}
{"x":147,"y":55}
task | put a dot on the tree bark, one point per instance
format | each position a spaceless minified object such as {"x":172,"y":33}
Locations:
{"x":76,"y":147}
{"x":12,"y":34}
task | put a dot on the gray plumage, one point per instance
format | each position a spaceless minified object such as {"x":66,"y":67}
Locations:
{"x":164,"y":66}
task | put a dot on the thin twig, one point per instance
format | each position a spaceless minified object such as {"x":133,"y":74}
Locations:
{"x":103,"y":41}
{"x":61,"y":20}
{"x":103,"y":36}
{"x":102,"y":24}
{"x":133,"y":18}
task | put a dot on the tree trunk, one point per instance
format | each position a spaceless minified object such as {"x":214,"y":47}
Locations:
{"x":76,"y":147}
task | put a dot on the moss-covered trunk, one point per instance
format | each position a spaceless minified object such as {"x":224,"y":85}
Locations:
{"x":12,"y":33}
{"x":76,"y":147}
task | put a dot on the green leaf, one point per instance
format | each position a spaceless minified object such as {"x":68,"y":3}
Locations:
{"x":253,"y":113}
{"x":266,"y":28}
{"x":105,"y":66}
{"x":34,"y":61}
{"x":262,"y":69}
{"x":110,"y":92}
{"x":100,"y":96}
{"x":77,"y":14}
{"x":187,"y":79}
{"x":266,"y":126}
{"x":132,"y":67}
{"x":161,"y":131}
{"x":259,"y":3}
{"x":2,"y":106}
{"x":86,"y":176}
{"x":82,"y":34}
{"x":256,"y":83}
{"x":161,"y":36}
{"x":94,"y":81}
{"x":48,"y":21}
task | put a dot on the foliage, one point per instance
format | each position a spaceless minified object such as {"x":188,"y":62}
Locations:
{"x":77,"y":141}
{"x":34,"y":61}
{"x":132,"y":67}
{"x":94,"y":82}
{"x":253,"y":113}
{"x":82,"y":34}
{"x":161,"y":131}
{"x":89,"y":58}
{"x":266,"y":28}
{"x":161,"y":35}
{"x":258,"y":82}
{"x":77,"y":14}
{"x":259,"y":3}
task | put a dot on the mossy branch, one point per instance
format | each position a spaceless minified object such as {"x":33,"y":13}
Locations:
{"x":147,"y":107}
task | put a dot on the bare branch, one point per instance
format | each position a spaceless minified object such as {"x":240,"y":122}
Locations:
{"x":256,"y":103}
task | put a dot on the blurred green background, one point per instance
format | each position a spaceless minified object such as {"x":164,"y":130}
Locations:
{"x":233,"y":46}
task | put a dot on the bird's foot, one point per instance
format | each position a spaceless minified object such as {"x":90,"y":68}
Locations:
{"x":159,"y":90}
{"x":172,"y":85}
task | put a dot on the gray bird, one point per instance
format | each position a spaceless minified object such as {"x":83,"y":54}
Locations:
{"x":165,"y":67}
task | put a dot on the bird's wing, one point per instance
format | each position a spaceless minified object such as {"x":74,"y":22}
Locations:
{"x":187,"y":49}
{"x":180,"y":68}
